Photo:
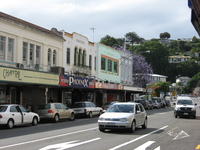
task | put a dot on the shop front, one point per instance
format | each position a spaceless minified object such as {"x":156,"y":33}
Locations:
{"x":25,"y":87}
{"x":76,"y":89}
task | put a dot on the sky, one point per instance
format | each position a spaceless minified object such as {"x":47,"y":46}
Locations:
{"x":97,"y":18}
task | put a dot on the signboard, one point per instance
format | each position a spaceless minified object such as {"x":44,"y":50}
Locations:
{"x":76,"y":82}
{"x":100,"y":85}
{"x":27,"y":76}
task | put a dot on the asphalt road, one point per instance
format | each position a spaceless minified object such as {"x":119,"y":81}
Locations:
{"x":164,"y":132}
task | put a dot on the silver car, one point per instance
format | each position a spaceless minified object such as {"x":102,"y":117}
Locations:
{"x":54,"y":111}
{"x":123,"y":116}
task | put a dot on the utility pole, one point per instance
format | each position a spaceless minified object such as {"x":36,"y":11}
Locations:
{"x":92,"y":28}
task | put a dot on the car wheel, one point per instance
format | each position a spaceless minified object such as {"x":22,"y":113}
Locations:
{"x":194,"y":117}
{"x":144,"y":126}
{"x":35,"y":121}
{"x":90,"y":114}
{"x":10,"y":124}
{"x":101,"y":129}
{"x":56,"y":118}
{"x":175,"y":115}
{"x":72,"y":117}
{"x":133,"y":126}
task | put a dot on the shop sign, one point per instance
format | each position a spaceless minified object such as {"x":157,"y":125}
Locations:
{"x":107,"y":86}
{"x":76,"y":82}
{"x":27,"y":76}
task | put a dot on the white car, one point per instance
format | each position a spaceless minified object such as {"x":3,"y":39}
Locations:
{"x":86,"y":108}
{"x":13,"y":114}
{"x":184,"y":106}
{"x":123,"y":116}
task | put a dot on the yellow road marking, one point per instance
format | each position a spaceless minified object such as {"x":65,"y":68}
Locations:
{"x":198,"y":147}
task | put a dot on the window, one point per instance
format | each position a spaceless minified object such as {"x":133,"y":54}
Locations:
{"x":68,"y":56}
{"x":49,"y":57}
{"x":25,"y":52}
{"x":38,"y":49}
{"x":103,"y":64}
{"x":54,"y":57}
{"x":115,"y":67}
{"x":79,"y":57}
{"x":10,"y":49}
{"x":90,"y":61}
{"x":83,"y":58}
{"x":95,"y":63}
{"x":2,"y":47}
{"x":110,"y":65}
{"x":75,"y":56}
{"x":31,"y":54}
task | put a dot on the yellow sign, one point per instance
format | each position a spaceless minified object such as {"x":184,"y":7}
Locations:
{"x":173,"y":93}
{"x":28,"y":76}
{"x":198,"y":147}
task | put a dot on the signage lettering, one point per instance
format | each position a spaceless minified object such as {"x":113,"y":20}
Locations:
{"x":11,"y":73}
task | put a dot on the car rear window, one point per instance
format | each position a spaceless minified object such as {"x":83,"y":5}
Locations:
{"x":121,"y":108}
{"x":78,"y":105}
{"x":3,"y":108}
{"x":43,"y":106}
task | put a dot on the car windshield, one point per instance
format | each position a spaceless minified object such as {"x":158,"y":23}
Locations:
{"x":43,"y":106}
{"x":3,"y":108}
{"x":185,"y":102}
{"x":121,"y":108}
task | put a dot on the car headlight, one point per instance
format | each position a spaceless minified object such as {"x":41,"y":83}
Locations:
{"x":123,"y":119}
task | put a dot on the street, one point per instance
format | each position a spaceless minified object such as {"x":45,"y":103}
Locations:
{"x":164,"y":132}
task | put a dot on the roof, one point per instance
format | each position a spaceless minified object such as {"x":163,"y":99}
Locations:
{"x":25,"y":24}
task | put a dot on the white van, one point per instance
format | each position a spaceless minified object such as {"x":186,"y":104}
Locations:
{"x":184,"y":106}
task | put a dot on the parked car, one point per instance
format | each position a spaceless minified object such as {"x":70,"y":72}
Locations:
{"x":106,"y":105}
{"x":123,"y":116}
{"x":156,"y":104}
{"x":144,"y":102}
{"x":184,"y":106}
{"x":12,"y":115}
{"x":54,"y":111}
{"x":86,"y":108}
{"x":160,"y":101}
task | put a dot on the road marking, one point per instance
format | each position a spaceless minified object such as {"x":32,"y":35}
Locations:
{"x":180,"y":135}
{"x":56,"y":136}
{"x":145,"y":145}
{"x":62,"y":146}
{"x":124,"y":144}
{"x":198,"y":147}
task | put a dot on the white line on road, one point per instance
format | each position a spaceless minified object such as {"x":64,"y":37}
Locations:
{"x":56,"y":136}
{"x":145,"y":145}
{"x":124,"y":144}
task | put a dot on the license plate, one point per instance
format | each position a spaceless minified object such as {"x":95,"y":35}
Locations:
{"x":185,"y":113}
{"x":110,"y":123}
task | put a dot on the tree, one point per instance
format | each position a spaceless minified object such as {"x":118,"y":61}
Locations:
{"x":132,"y":38}
{"x":192,"y":83}
{"x":163,"y":87}
{"x":109,"y":41}
{"x":141,"y":71}
{"x":165,"y":35}
{"x":155,"y":54}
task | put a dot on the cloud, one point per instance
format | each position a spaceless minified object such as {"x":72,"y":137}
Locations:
{"x":109,"y":17}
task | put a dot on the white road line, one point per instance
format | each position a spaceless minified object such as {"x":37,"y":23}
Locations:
{"x":124,"y":144}
{"x":145,"y":145}
{"x":56,"y":136}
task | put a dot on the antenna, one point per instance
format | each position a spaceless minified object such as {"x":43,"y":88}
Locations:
{"x":92,"y":28}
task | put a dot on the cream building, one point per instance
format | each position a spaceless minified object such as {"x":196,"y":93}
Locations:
{"x":28,"y":46}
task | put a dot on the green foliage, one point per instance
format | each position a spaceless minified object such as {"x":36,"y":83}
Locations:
{"x":192,"y":83}
{"x":132,"y":38}
{"x":165,"y":35}
{"x":164,"y":87}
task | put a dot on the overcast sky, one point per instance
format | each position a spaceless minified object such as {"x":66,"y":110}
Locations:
{"x":148,"y":18}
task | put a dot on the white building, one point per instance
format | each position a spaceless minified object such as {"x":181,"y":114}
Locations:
{"x":28,"y":46}
{"x":178,"y":59}
{"x":79,"y":55}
